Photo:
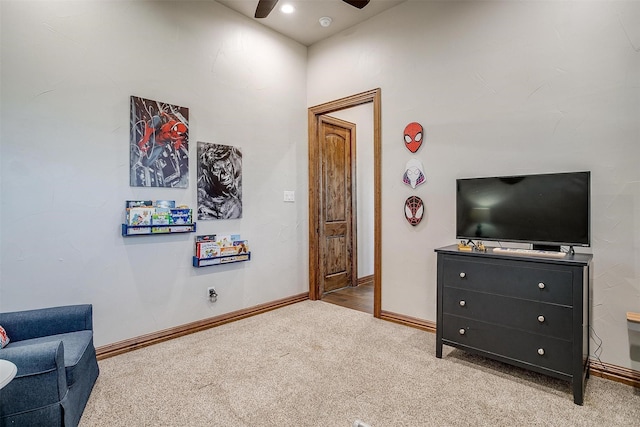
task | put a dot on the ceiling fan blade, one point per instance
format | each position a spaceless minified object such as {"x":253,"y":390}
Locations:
{"x":265,"y":7}
{"x":357,"y":3}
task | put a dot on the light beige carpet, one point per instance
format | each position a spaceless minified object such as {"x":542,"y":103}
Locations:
{"x":316,"y":364}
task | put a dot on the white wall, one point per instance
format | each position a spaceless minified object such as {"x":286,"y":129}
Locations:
{"x":68,"y":69}
{"x":501,"y":87}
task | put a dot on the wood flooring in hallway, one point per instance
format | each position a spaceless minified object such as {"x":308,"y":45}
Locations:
{"x":355,"y":297}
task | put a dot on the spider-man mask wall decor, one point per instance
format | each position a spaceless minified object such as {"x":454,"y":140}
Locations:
{"x":414,"y":210}
{"x":414,"y":173}
{"x":413,"y":134}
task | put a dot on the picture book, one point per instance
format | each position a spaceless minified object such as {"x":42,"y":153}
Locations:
{"x":205,"y":262}
{"x":139,"y":215}
{"x":227,"y":240}
{"x":138,"y":203}
{"x":138,"y":230}
{"x":242,"y":245}
{"x":165,"y":204}
{"x":207,"y":249}
{"x":229,"y":250}
{"x":237,"y":258}
{"x":160,"y":218}
{"x":206,"y":237}
{"x":181,"y":216}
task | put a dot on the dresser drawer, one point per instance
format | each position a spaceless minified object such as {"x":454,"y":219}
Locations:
{"x":538,"y":350}
{"x":531,"y":316}
{"x":520,"y":279}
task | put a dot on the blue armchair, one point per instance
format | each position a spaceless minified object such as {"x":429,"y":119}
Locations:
{"x":57,"y":367}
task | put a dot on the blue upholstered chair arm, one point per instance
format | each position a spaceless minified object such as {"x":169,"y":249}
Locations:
{"x":24,"y":325}
{"x":40,"y":380}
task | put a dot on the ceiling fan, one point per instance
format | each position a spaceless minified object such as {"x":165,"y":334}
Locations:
{"x":266,"y":6}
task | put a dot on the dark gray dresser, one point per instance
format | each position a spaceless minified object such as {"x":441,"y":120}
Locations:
{"x":531,"y":312}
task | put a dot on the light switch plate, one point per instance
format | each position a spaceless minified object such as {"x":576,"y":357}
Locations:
{"x":289,"y":196}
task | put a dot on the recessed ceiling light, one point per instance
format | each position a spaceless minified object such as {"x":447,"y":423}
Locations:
{"x":287,"y":8}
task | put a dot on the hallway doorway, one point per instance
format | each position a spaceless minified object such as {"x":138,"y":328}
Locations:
{"x":316,"y":189}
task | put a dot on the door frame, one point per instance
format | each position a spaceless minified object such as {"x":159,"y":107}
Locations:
{"x":314,"y":113}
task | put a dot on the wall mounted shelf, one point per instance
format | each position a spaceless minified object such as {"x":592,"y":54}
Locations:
{"x":225,"y":259}
{"x":148,"y":230}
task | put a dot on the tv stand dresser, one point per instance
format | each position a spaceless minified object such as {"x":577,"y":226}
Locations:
{"x":527,"y":311}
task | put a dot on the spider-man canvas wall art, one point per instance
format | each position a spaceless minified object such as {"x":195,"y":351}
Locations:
{"x":159,"y":144}
{"x":219,"y":181}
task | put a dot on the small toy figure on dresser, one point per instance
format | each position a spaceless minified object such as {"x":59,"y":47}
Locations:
{"x":462,"y":246}
{"x":471,"y":246}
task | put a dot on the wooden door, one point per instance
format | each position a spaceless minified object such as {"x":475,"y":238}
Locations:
{"x":337,"y":214}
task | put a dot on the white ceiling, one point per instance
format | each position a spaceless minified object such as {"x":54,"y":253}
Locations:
{"x":303,"y":25}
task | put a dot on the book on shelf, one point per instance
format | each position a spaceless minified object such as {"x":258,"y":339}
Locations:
{"x":165,"y":204}
{"x":207,"y":249}
{"x":242,"y":245}
{"x":139,"y":215}
{"x":208,"y":261}
{"x":138,"y":230}
{"x":236,"y":258}
{"x":225,"y":240}
{"x":206,"y":238}
{"x":181,"y":228}
{"x":216,"y":261}
{"x":181,"y":216}
{"x":228,"y":250}
{"x":138,"y":203}
{"x":160,"y":218}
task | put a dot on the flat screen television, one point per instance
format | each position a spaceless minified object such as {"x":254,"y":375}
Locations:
{"x":545,"y":210}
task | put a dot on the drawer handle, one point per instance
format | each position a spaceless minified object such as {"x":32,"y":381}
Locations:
{"x":541,"y":351}
{"x":541,"y":319}
{"x":541,"y":285}
{"x":463,"y":275}
{"x":461,"y":331}
{"x":462,"y":303}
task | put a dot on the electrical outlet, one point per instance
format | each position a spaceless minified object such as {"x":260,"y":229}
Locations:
{"x":211,"y":293}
